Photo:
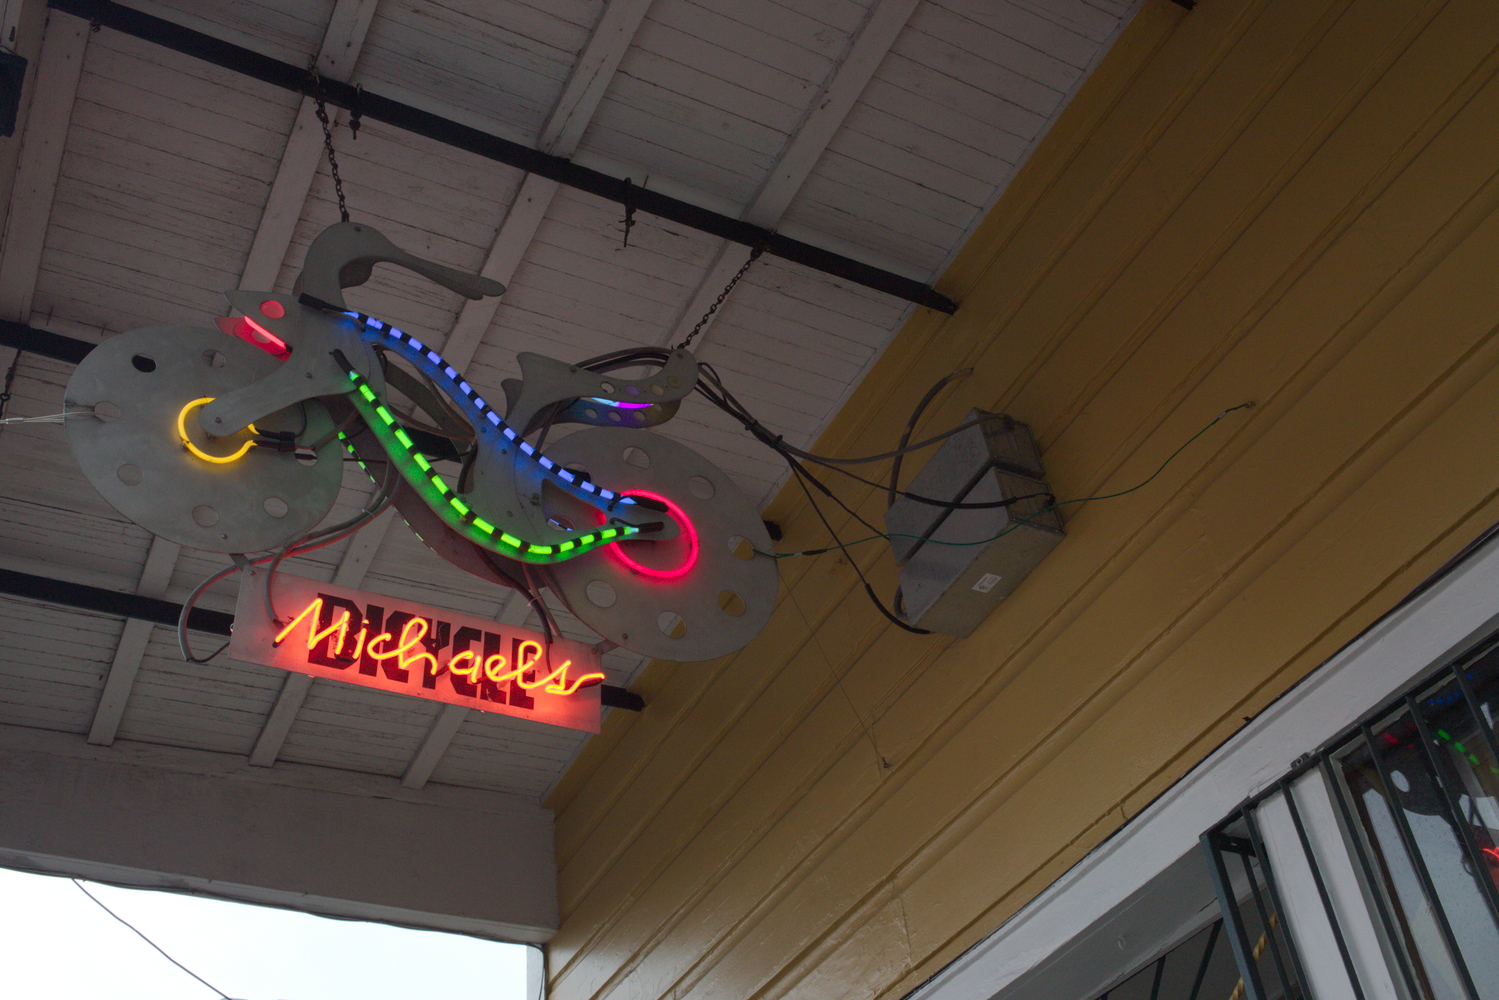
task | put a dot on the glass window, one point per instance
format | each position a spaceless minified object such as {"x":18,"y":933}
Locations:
{"x":1424,"y":783}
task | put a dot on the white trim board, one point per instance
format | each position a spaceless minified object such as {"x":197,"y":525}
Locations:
{"x":1426,"y":632}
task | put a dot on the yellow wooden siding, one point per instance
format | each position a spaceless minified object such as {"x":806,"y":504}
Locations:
{"x":1290,"y":202}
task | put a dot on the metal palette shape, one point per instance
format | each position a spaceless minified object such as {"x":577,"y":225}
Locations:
{"x":137,"y":385}
{"x":635,"y":593}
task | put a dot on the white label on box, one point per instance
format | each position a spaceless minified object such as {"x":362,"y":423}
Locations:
{"x":986,"y":583}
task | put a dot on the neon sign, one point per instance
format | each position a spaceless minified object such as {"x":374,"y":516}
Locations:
{"x":403,"y":648}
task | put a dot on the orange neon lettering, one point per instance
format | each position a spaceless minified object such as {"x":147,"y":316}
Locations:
{"x":359,"y":643}
{"x":421,"y":633}
{"x":468,"y":663}
{"x":494,"y":669}
{"x":556,"y":676}
{"x":564,"y":688}
{"x":311,"y":614}
{"x":408,"y":642}
{"x":471,"y":671}
{"x":370,"y":649}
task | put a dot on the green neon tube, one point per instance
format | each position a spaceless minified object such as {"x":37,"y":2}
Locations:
{"x":448,"y":505}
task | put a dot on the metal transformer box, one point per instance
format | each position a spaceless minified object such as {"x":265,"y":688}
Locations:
{"x":951,"y":588}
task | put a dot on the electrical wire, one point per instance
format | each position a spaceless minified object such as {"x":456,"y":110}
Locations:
{"x":139,"y":934}
{"x":531,"y":598}
{"x":985,"y":541}
{"x":310,"y":542}
{"x":383,"y":497}
{"x":905,"y":437}
{"x":868,"y":588}
{"x":725,"y":401}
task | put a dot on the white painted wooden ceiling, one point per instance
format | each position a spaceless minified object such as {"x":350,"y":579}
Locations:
{"x":882,"y":129}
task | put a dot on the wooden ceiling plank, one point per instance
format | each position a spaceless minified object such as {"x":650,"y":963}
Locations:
{"x":444,"y":728}
{"x":347,"y":28}
{"x":837,"y":98}
{"x":350,"y":573}
{"x":131,"y":649}
{"x":55,"y":85}
{"x":560,"y":135}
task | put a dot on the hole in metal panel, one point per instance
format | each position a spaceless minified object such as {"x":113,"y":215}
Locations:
{"x":600,"y":594}
{"x":671,"y":624}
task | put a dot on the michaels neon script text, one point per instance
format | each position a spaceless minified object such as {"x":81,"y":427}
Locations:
{"x":403,"y":645}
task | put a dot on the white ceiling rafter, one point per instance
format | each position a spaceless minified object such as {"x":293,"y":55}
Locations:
{"x":350,"y":573}
{"x":882,"y":25}
{"x":564,"y":127}
{"x":161,"y":558}
{"x":560,"y":136}
{"x":841,"y":124}
{"x":55,"y":84}
{"x":347,"y":26}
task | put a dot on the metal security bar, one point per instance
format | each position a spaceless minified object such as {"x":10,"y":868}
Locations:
{"x":1414,"y":787}
{"x":1238,"y":838}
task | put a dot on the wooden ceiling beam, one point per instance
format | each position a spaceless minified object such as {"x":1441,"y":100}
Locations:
{"x":161,"y":559}
{"x":342,"y":40}
{"x":55,"y":86}
{"x":350,"y":573}
{"x":882,"y":25}
{"x":560,"y":135}
{"x":418,"y":121}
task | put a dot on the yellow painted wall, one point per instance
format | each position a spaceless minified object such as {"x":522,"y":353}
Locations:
{"x":1285,"y":201}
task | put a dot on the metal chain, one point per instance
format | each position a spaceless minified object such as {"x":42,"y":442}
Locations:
{"x":322,"y":117}
{"x":754,"y":256}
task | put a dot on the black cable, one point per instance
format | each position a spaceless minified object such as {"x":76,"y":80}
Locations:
{"x":525,"y":591}
{"x":1054,"y":506}
{"x":868,"y":589}
{"x":169,"y":958}
{"x":798,"y":469}
{"x":905,"y":437}
{"x":735,"y":409}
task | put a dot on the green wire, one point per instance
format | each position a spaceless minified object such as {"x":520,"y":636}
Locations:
{"x":1018,"y":524}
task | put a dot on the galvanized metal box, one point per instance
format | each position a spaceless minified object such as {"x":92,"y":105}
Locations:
{"x":956,"y":565}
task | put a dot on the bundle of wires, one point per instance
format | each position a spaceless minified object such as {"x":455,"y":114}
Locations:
{"x":382,"y":498}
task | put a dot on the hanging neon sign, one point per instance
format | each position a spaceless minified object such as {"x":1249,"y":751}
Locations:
{"x":374,"y":641}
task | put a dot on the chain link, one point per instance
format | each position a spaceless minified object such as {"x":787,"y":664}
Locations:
{"x":754,"y":256}
{"x":321,"y":110}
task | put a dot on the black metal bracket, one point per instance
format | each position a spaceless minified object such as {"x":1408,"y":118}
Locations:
{"x":150,"y":609}
{"x":444,"y":130}
{"x":1234,"y":845}
{"x":42,"y":343}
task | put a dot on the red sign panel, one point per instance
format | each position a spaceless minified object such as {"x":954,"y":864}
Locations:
{"x":405,"y":648}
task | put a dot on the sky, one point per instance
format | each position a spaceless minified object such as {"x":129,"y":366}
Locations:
{"x":56,"y":944}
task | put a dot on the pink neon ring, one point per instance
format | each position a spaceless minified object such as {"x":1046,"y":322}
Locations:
{"x":686,"y":524}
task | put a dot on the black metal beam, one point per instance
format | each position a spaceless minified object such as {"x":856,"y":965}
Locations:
{"x":412,"y":119}
{"x":112,"y":602}
{"x":48,"y":345}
